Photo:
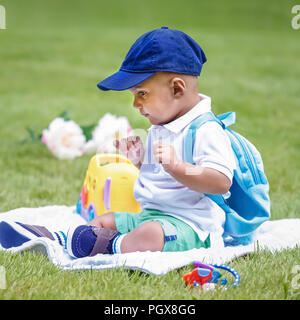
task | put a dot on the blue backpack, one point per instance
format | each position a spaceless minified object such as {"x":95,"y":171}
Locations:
{"x":249,"y":204}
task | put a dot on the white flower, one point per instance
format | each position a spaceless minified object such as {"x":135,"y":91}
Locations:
{"x":109,"y":128}
{"x":64,"y":139}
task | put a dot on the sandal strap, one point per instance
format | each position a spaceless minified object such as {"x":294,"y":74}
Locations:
{"x":104,"y":236}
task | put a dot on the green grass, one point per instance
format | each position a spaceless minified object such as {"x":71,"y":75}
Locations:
{"x":31,"y":276}
{"x":52,"y":55}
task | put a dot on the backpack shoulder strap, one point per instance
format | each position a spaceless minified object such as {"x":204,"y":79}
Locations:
{"x":225,"y":120}
{"x":190,"y":137}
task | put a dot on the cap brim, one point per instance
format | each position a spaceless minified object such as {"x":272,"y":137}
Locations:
{"x":123,"y":80}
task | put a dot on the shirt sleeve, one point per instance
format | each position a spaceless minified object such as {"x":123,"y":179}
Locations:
{"x":212,"y":149}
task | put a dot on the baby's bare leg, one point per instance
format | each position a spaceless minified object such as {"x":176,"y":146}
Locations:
{"x":148,"y":236}
{"x":106,"y":221}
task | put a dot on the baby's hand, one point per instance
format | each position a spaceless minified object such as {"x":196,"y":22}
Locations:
{"x":132,"y":148}
{"x":165,"y":154}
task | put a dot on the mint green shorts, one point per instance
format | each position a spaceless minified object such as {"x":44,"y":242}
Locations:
{"x":179,"y":236}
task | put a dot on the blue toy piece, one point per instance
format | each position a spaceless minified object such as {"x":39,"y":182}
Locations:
{"x":236,"y":275}
{"x":203,"y":272}
{"x":249,"y":204}
{"x":216,"y":275}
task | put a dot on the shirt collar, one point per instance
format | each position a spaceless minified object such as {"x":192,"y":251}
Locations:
{"x":204,"y":105}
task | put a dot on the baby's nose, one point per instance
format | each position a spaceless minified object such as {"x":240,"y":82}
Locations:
{"x":137,"y":104}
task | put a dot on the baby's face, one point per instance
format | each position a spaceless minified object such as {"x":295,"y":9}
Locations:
{"x":155,"y":100}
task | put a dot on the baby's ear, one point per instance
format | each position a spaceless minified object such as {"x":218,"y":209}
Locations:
{"x":178,"y":86}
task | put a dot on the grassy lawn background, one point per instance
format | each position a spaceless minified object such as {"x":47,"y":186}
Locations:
{"x":52,"y":55}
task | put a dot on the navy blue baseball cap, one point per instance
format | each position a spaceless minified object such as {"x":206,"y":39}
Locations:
{"x":161,"y":49}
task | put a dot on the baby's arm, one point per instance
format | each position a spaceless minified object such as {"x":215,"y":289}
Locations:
{"x":195,"y":177}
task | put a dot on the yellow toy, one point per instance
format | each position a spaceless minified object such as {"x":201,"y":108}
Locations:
{"x":108,"y":186}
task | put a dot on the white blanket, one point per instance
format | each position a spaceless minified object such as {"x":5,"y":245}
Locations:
{"x":272,"y":235}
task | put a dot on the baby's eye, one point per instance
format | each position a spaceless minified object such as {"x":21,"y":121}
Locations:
{"x":142,"y":93}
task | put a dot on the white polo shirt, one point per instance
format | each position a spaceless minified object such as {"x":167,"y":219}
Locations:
{"x":156,"y":189}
